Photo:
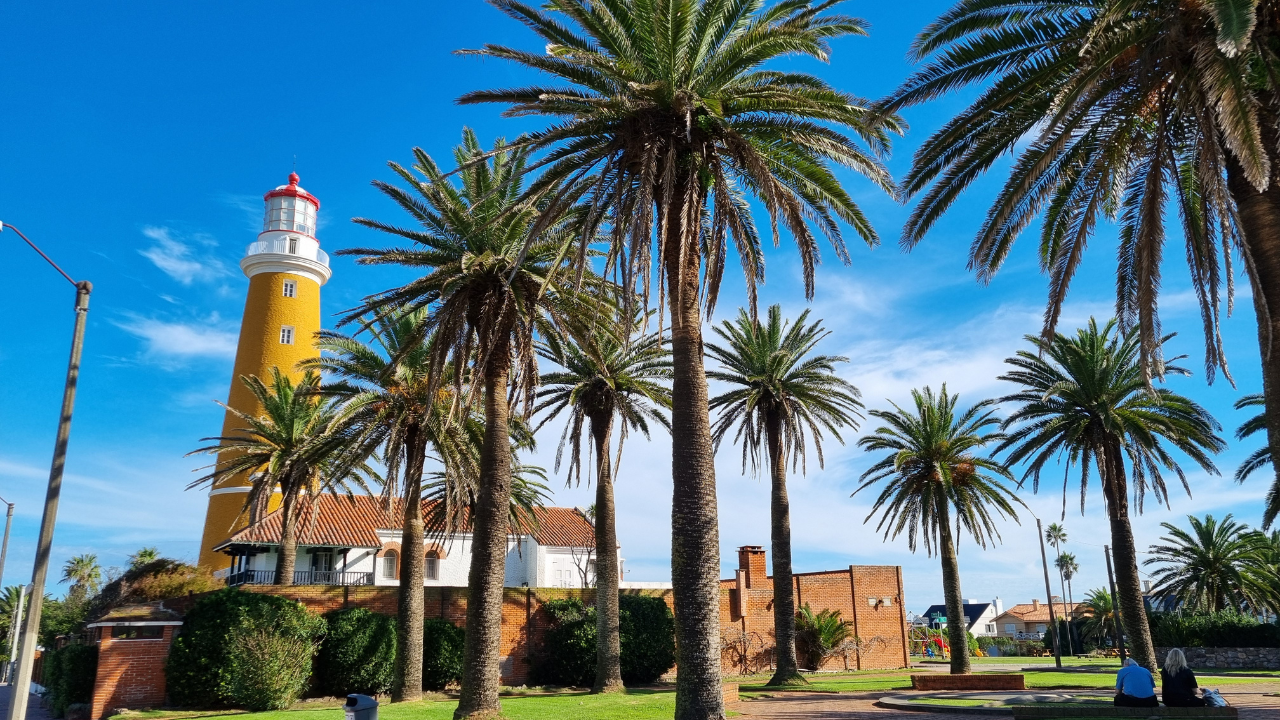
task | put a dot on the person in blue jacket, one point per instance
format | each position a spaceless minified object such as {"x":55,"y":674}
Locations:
{"x":1135,"y":687}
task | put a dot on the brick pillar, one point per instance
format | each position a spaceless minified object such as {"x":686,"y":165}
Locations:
{"x":130,"y":672}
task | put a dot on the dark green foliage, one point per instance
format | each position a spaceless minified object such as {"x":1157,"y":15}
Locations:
{"x":61,"y":617}
{"x":1220,"y":629}
{"x":69,"y":673}
{"x":358,"y":654}
{"x":648,"y":632}
{"x":200,"y":668}
{"x":441,"y":654}
{"x":646,"y":629}
{"x":271,"y":659}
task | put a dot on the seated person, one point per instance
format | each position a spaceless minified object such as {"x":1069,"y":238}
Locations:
{"x":1177,"y":682}
{"x":1135,"y":687}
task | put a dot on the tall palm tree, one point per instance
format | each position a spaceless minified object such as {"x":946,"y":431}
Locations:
{"x":780,"y":398}
{"x":1086,"y":399}
{"x":84,"y":574}
{"x":495,"y":273}
{"x":1207,"y":568}
{"x":1099,"y":617}
{"x":1132,"y":106}
{"x":1259,"y":458}
{"x":1056,"y":535}
{"x":670,"y":108}
{"x":1068,"y":567}
{"x":294,"y":446}
{"x":604,"y":378}
{"x":933,"y":469}
{"x":389,"y":396}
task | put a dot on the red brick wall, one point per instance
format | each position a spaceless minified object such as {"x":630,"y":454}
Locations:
{"x":130,"y":673}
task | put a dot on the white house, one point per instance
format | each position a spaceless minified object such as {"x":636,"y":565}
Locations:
{"x":356,"y":541}
{"x":980,"y":617}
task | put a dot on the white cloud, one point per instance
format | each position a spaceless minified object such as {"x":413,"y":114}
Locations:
{"x":174,"y":257}
{"x":177,"y":340}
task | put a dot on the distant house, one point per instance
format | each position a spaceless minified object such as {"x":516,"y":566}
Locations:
{"x":1031,"y":621}
{"x":356,"y":541}
{"x":979,"y":616}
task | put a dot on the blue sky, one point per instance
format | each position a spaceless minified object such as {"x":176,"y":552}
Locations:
{"x":136,"y":142}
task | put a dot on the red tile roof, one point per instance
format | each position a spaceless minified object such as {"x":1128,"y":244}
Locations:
{"x":342,"y":521}
{"x":1027,"y":612}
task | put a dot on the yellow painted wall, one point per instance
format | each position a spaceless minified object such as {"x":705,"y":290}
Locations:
{"x":266,"y":310}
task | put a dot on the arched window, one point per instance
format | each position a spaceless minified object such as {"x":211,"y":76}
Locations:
{"x":433,"y":565}
{"x":390,"y":565}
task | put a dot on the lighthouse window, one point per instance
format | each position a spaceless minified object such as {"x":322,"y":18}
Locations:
{"x":290,"y":288}
{"x":286,"y":335}
{"x":293,"y":246}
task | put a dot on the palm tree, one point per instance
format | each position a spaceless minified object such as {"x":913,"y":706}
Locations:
{"x":144,"y":556}
{"x":1056,"y":535}
{"x":1068,"y":567}
{"x":1207,"y":569}
{"x":823,"y":633}
{"x":932,"y":465}
{"x":386,"y":390}
{"x":1099,"y":617}
{"x":493,"y":267}
{"x":1263,"y":574}
{"x":669,"y":107}
{"x":1133,"y":105}
{"x":84,"y":574}
{"x":780,"y":398}
{"x":604,"y":378}
{"x":294,"y":446}
{"x":1087,"y":400}
{"x":1259,"y":458}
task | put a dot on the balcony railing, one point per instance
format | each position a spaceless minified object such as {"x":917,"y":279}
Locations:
{"x":303,"y":249}
{"x":301,"y":577}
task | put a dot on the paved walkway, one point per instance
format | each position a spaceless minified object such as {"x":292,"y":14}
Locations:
{"x":35,"y":710}
{"x":1251,"y":699}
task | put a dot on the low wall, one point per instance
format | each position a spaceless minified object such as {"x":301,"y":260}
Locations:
{"x":939,"y":681}
{"x":1236,"y":658}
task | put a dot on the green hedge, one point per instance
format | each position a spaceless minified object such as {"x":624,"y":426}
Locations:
{"x":271,"y":663}
{"x":1221,"y":629}
{"x":358,"y":654}
{"x":441,"y":654}
{"x":646,"y":630}
{"x":201,"y":668}
{"x":69,"y":674}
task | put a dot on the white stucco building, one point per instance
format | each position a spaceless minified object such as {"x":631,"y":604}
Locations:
{"x":356,"y":541}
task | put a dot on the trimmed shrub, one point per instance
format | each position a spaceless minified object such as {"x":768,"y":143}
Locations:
{"x":569,"y":645}
{"x":200,"y":669}
{"x":648,"y":633}
{"x":1225,"y":628}
{"x":69,"y":674}
{"x":441,"y":654}
{"x":271,"y":667}
{"x":358,"y":654}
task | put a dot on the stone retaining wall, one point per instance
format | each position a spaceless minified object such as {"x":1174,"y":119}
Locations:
{"x":1235,"y":658}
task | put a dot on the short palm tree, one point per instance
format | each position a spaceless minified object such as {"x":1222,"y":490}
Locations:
{"x":494,"y":272}
{"x":603,"y":379}
{"x":1131,"y":106}
{"x":672,"y":109}
{"x":781,"y":398}
{"x":84,"y":574}
{"x":1086,"y":399}
{"x":294,"y":446}
{"x":1068,"y":567}
{"x":935,"y":476}
{"x":388,"y":395}
{"x":1206,"y":568}
{"x":1056,"y":535}
{"x":1099,"y":618}
{"x":823,"y":633}
{"x":1260,"y":458}
{"x":144,"y":556}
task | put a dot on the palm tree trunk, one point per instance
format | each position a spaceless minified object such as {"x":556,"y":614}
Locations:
{"x":1062,"y":582}
{"x":1133,"y":614}
{"x":288,"y":557}
{"x":957,"y":633}
{"x":695,"y":530}
{"x":784,"y":601}
{"x":1259,"y":214}
{"x":608,"y":641}
{"x":483,"y":643}
{"x":408,"y":677}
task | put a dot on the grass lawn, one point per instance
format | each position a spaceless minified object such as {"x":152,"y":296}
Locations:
{"x":634,"y":705}
{"x":866,"y":681}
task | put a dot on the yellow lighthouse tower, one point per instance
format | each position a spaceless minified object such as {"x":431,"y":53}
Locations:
{"x":286,"y":268}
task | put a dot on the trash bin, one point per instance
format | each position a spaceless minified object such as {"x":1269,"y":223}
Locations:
{"x":361,"y":707}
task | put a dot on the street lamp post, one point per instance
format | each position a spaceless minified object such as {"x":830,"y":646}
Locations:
{"x":1053,"y":620}
{"x":4,"y":549}
{"x":26,"y":654}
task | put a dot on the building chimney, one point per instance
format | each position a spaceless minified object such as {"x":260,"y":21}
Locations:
{"x":1035,"y":604}
{"x":999,"y":606}
{"x":751,"y":559}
